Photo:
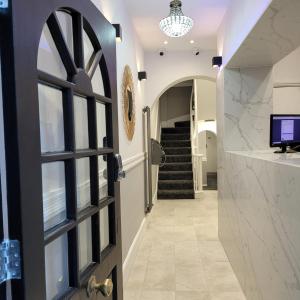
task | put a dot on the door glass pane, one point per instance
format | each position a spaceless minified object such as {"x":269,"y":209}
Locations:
{"x":88,"y":48}
{"x":51,"y":119}
{"x":85,"y":244}
{"x":97,"y":82}
{"x":57,"y":270}
{"x":49,"y":59}
{"x":65,"y":21}
{"x":83,"y":183}
{"x":54,"y":194}
{"x":101,"y":125}
{"x":104,"y":228}
{"x":81,"y":122}
{"x":103,"y":186}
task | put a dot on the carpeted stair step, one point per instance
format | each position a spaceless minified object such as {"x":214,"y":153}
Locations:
{"x":176,"y":167}
{"x":176,"y":130}
{"x":175,"y":136}
{"x":175,"y":175}
{"x":183,"y":124}
{"x":178,"y":150}
{"x":175,"y":184}
{"x":180,"y":143}
{"x":178,"y":158}
{"x":175,"y":194}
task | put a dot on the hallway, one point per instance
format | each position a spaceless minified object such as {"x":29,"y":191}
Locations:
{"x":180,"y":256}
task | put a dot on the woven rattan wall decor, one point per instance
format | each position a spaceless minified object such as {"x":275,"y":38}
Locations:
{"x":128,"y":102}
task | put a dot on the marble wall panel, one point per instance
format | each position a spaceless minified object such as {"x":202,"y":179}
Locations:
{"x":247,"y":108}
{"x":259,"y":225}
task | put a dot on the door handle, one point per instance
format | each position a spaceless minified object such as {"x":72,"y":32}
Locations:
{"x":119,"y":172}
{"x":105,"y":288}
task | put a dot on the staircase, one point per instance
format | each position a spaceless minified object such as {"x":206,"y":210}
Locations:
{"x":175,"y":179}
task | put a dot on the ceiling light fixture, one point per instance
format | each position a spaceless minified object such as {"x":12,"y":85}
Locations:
{"x":192,"y":41}
{"x":176,"y":24}
{"x":166,"y":42}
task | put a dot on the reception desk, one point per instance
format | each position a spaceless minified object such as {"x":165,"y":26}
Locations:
{"x":259,"y":222}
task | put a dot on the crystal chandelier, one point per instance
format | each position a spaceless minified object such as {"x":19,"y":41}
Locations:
{"x":176,"y":24}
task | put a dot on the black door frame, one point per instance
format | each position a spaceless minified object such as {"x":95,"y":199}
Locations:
{"x":3,"y":285}
{"x":21,"y":28}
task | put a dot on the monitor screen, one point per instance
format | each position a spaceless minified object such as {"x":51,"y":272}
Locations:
{"x":285,"y":130}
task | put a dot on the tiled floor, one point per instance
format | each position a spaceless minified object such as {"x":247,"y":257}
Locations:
{"x":181,"y":257}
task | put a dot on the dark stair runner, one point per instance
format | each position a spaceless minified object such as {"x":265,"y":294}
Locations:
{"x":175,"y":179}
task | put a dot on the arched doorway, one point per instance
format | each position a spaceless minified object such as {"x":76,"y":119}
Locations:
{"x":201,"y":105}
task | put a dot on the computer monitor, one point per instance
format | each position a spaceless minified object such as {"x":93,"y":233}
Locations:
{"x":284,"y":131}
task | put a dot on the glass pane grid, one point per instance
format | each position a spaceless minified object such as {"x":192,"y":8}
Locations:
{"x":82,"y":178}
{"x":51,"y":119}
{"x":54,"y":194}
{"x":57,"y":267}
{"x":85,"y":244}
{"x":103,"y":177}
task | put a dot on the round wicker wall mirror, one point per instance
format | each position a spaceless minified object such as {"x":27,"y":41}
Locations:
{"x":128,"y":103}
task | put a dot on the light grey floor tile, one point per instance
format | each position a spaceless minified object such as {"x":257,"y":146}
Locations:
{"x":192,"y":295}
{"x":227,"y":296}
{"x":157,"y":295}
{"x":180,"y":256}
{"x":190,"y":277}
{"x":160,"y":276}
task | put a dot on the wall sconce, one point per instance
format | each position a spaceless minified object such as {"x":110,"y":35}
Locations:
{"x":118,"y":32}
{"x":217,"y":61}
{"x":142,"y":75}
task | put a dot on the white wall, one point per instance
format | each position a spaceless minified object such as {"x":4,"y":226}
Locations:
{"x":129,"y":52}
{"x":206,"y":97}
{"x":173,"y":67}
{"x":175,"y":106}
{"x":237,"y":23}
{"x":286,"y":100}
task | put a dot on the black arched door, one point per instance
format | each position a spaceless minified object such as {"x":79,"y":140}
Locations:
{"x":61,"y":138}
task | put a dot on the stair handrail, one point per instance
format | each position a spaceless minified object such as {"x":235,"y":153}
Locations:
{"x":197,"y":157}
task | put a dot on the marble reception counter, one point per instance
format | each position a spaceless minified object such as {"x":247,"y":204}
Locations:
{"x":259,"y":191}
{"x":259,"y":216}
{"x":290,"y":159}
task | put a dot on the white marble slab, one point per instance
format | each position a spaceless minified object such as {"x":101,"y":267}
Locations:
{"x":274,"y":36}
{"x":290,"y":159}
{"x":247,"y":108}
{"x":259,"y":223}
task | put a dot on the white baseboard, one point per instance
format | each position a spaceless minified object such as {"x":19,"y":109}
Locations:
{"x":129,"y":260}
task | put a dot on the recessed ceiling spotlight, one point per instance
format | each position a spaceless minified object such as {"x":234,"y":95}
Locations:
{"x":166,"y":42}
{"x":192,"y":41}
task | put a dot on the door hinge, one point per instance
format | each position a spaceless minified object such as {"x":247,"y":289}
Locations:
{"x":3,"y":3}
{"x":10,"y":260}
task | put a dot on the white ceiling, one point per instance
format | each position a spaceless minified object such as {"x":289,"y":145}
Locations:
{"x":207,"y":16}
